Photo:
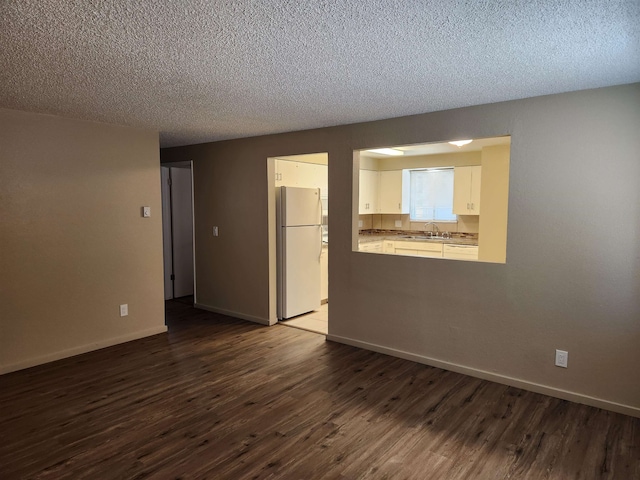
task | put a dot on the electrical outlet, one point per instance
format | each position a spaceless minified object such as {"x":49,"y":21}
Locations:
{"x":215,"y":231}
{"x":398,"y":223}
{"x":562,"y":358}
{"x":124,"y":310}
{"x":360,"y":223}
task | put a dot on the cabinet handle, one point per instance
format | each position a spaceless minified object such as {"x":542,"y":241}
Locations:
{"x":472,"y":207}
{"x":468,"y":207}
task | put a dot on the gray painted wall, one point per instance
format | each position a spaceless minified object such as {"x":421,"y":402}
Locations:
{"x":572,"y":277}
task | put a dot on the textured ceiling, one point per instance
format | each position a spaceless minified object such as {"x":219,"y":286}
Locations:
{"x":198,"y":70}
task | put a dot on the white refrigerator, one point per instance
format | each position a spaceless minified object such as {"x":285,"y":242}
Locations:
{"x":299,"y":220}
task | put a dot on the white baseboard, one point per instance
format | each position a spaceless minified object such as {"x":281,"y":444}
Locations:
{"x":494,"y":377}
{"x":231,"y":313}
{"x":71,"y":352}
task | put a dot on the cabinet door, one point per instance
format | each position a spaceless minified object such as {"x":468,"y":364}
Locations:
{"x":370,"y":247}
{"x":311,"y":175}
{"x":390,"y":192}
{"x":418,"y":249}
{"x":372,"y":180}
{"x":474,"y":199}
{"x":466,"y":190}
{"x":368,"y":192}
{"x":364,"y":193}
{"x":428,"y":249}
{"x":404,"y":250}
{"x":461,"y":190}
{"x":278,"y":173}
{"x":393,"y":191}
{"x":286,"y":173}
{"x":461,"y":252}
{"x":428,"y":253}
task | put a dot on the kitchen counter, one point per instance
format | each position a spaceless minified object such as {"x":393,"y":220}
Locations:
{"x":456,"y":239}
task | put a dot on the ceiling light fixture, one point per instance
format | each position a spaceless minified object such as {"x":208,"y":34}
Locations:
{"x":459,"y":143}
{"x":387,"y":151}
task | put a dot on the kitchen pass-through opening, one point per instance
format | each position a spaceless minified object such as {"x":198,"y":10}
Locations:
{"x":446,"y":200}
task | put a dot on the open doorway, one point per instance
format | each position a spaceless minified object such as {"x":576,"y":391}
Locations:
{"x":177,"y":231}
{"x":302,"y":180}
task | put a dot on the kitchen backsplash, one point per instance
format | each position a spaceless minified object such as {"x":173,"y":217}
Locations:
{"x":465,"y":223}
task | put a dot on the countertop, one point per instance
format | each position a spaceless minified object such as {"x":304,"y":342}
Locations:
{"x":456,"y":239}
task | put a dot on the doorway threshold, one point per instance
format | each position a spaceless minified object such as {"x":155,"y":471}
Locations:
{"x":316,"y":321}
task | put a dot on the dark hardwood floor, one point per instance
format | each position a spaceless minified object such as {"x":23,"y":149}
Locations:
{"x":221,"y":398}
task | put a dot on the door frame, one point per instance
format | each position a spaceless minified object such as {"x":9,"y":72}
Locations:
{"x":185,"y":164}
{"x":274,"y":287}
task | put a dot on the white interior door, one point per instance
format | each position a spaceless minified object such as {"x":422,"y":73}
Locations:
{"x":182,"y":231}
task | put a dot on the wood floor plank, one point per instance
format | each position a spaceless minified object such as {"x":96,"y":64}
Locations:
{"x":220,"y":398}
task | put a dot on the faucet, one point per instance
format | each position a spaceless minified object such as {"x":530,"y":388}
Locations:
{"x":435,"y":228}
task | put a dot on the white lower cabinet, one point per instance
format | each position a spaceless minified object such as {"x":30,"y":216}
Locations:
{"x":375,"y":246}
{"x":389,"y":246}
{"x":460,"y":252}
{"x":421,"y":249}
{"x":418,"y":249}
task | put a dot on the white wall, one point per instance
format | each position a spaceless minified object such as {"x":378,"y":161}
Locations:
{"x":74,"y":245}
{"x":567,"y":284}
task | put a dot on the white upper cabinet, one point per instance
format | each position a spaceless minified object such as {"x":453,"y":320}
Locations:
{"x":466,"y":190}
{"x":300,"y":174}
{"x":312,"y":175}
{"x":368,"y":192}
{"x":393,"y":192}
{"x":286,"y":174}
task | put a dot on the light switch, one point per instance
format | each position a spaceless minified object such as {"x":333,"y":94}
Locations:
{"x":146,"y":212}
{"x":215,"y":231}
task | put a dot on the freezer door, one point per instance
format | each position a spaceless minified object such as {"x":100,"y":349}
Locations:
{"x":302,"y":248}
{"x":300,"y":206}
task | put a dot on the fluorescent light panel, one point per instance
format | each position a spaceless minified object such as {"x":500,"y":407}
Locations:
{"x":459,"y":143}
{"x":386,"y":151}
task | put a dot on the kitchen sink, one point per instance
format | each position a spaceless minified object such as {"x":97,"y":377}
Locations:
{"x":421,"y":237}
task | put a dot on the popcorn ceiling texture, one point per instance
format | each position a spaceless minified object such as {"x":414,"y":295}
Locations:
{"x":198,"y":70}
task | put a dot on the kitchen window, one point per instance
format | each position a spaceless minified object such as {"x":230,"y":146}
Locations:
{"x":431,"y":195}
